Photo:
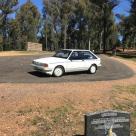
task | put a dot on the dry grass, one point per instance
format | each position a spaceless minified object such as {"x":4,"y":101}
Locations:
{"x":124,"y":99}
{"x":22,"y":53}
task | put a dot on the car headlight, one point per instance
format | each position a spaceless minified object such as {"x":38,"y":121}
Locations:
{"x":36,"y":63}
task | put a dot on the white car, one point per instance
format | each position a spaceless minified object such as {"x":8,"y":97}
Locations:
{"x":68,"y":60}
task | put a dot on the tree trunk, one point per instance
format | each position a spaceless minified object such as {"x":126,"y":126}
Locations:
{"x":46,"y":42}
{"x":101,"y":39}
{"x":4,"y":32}
{"x":89,"y":45}
{"x":104,"y":32}
{"x":104,"y":38}
{"x":65,"y":36}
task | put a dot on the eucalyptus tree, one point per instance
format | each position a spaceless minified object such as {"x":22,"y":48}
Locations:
{"x":51,"y":22}
{"x":95,"y":24}
{"x":16,"y":40}
{"x":76,"y":23}
{"x":132,"y":20}
{"x":81,"y":25}
{"x":66,"y":14}
{"x":128,"y":27}
{"x":1,"y":40}
{"x":105,"y":17}
{"x":59,"y":12}
{"x":28,"y":18}
{"x":7,"y":7}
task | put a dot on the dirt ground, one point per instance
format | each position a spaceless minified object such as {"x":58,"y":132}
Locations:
{"x":22,"y":53}
{"x":58,"y":109}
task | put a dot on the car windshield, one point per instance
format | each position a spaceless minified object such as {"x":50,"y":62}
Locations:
{"x":62,"y":54}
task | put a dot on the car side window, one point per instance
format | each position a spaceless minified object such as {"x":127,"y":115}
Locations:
{"x":87,"y":55}
{"x":75,"y":56}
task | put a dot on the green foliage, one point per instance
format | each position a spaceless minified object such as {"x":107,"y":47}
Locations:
{"x":128,"y":27}
{"x":6,"y":7}
{"x":17,"y":32}
{"x":74,"y":23}
{"x":64,"y":24}
{"x":28,"y":19}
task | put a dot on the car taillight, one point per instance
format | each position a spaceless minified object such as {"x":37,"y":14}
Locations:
{"x":45,"y":65}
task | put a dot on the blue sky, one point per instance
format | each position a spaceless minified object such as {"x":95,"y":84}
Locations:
{"x":38,"y":3}
{"x":122,"y":8}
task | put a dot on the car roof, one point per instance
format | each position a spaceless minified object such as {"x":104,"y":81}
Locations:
{"x":76,"y":50}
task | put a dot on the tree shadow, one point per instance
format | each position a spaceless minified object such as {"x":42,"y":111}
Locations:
{"x":127,"y":56}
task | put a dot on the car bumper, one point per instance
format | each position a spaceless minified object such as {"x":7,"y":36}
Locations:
{"x":42,"y":69}
{"x":99,"y":65}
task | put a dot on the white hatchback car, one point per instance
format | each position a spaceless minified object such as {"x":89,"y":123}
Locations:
{"x":68,"y":60}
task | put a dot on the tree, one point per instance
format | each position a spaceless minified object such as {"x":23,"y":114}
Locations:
{"x":17,"y":42}
{"x":6,"y":7}
{"x":58,"y":15}
{"x":76,"y":23}
{"x":128,"y":27}
{"x":28,"y":18}
{"x":51,"y":19}
{"x":105,"y":12}
{"x":67,"y":11}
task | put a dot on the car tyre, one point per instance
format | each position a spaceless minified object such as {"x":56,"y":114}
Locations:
{"x":93,"y":69}
{"x":58,"y":71}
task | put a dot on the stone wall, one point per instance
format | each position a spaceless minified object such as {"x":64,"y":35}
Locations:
{"x":34,"y":47}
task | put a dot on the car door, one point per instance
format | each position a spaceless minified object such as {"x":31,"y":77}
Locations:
{"x":76,"y":63}
{"x":89,"y":59}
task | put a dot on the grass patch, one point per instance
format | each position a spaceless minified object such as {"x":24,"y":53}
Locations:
{"x":60,"y":113}
{"x":119,"y":107}
{"x":124,"y":99}
{"x":128,"y":89}
{"x":129,"y":55}
{"x":134,"y":114}
{"x":24,"y":111}
{"x":127,"y":58}
{"x":61,"y":120}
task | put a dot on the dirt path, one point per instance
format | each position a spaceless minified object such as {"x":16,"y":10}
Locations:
{"x":30,"y":100}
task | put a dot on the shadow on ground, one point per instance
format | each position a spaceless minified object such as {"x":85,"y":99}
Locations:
{"x":43,"y":75}
{"x":39,"y":74}
{"x":78,"y":135}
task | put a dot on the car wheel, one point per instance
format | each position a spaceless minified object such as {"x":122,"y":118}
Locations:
{"x":58,"y":72}
{"x":93,"y":69}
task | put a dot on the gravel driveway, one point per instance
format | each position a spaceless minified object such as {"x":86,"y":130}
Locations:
{"x":18,"y":70}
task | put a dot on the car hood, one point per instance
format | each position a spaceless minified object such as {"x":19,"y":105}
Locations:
{"x":50,"y":60}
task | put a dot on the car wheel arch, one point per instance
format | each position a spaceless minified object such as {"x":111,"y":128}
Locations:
{"x":61,"y":67}
{"x":94,"y":65}
{"x":93,"y":69}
